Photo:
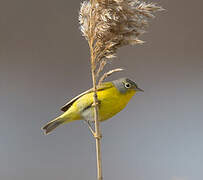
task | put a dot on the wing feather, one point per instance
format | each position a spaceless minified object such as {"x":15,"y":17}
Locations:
{"x":99,"y":88}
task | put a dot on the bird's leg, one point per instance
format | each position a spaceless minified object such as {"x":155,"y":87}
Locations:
{"x":90,"y":127}
{"x":92,"y":131}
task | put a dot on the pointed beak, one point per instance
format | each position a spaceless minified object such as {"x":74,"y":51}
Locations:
{"x":138,"y":89}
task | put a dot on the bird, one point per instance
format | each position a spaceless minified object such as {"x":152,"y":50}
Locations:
{"x":113,"y":96}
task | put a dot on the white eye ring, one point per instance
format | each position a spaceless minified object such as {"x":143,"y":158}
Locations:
{"x":127,"y":85}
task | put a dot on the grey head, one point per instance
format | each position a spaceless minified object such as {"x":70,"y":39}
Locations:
{"x":125,"y":84}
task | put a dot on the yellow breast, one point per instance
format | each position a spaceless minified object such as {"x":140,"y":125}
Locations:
{"x":112,"y":102}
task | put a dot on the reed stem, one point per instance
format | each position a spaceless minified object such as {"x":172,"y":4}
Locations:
{"x":97,"y":133}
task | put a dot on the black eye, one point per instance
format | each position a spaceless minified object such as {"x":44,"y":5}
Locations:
{"x":127,"y":85}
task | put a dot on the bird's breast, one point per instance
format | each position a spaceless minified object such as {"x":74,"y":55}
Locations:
{"x":112,"y":102}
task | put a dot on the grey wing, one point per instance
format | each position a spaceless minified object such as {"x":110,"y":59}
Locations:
{"x":69,"y":104}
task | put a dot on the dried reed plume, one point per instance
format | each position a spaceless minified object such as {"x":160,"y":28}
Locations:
{"x":108,"y":25}
{"x":111,"y":24}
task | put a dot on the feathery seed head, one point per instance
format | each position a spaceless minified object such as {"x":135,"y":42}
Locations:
{"x":114,"y":23}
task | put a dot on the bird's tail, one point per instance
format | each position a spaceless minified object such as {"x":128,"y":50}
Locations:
{"x":50,"y":126}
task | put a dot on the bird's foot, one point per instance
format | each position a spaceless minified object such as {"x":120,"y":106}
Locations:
{"x":97,"y":136}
